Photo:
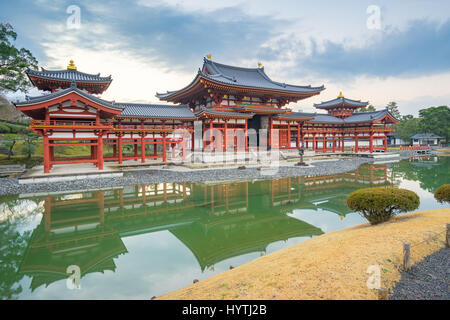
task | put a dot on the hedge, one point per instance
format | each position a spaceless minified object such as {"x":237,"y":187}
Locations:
{"x":442,"y":194}
{"x":381,"y":203}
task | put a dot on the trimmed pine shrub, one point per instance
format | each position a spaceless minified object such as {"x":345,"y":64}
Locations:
{"x":442,"y":194}
{"x":381,"y":203}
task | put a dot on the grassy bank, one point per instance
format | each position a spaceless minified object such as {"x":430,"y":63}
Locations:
{"x":331,"y":266}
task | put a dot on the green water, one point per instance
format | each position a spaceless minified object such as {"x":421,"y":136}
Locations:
{"x":143,"y":241}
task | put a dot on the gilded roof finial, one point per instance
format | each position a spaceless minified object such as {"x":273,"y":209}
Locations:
{"x":340,"y":95}
{"x":71,"y":65}
{"x":259,"y":64}
{"x":209,"y":55}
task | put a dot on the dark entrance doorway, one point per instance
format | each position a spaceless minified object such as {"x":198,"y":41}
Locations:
{"x":259,"y":122}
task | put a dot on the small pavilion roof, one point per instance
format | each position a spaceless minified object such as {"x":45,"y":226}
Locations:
{"x":68,"y":75}
{"x":341,"y":101}
{"x":156,"y":111}
{"x":52,"y":80}
{"x":252,"y":78}
{"x":425,"y":136}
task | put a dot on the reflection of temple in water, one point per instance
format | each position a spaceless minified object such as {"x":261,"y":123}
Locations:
{"x":215,"y":221}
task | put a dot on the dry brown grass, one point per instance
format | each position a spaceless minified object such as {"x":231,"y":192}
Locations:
{"x":331,"y":266}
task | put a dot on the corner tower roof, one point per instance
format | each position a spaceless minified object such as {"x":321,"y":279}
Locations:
{"x":51,"y":80}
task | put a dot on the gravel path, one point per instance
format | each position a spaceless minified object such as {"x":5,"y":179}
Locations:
{"x":151,"y":176}
{"x":427,"y":280}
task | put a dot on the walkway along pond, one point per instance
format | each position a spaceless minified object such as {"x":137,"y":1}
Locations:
{"x":147,"y":240}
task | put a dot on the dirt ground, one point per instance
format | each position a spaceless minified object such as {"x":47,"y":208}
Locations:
{"x":330,"y":266}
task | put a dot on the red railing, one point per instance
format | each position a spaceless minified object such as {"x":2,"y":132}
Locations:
{"x":69,"y":123}
{"x":411,"y":148}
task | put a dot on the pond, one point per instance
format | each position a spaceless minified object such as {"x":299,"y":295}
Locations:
{"x":147,"y":240}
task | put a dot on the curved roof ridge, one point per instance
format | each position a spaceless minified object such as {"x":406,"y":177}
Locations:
{"x":206,"y":60}
{"x":340,"y":100}
{"x":63,"y":71}
{"x":72,"y":88}
{"x":151,"y":104}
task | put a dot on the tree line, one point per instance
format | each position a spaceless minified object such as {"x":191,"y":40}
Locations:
{"x":431,"y":120}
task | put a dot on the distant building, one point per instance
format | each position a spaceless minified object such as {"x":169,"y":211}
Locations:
{"x":396,"y":140}
{"x":425,"y":139}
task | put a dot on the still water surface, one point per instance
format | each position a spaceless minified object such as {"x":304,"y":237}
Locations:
{"x":147,"y":240}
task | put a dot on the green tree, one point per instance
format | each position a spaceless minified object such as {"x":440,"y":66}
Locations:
{"x":393,"y":109}
{"x":9,"y":143}
{"x":13,"y":61}
{"x":436,"y":120}
{"x":29,"y":146}
{"x":369,"y":108}
{"x":406,"y":117}
{"x":407,"y":127}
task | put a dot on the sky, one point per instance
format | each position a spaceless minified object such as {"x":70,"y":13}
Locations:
{"x":376,"y":51}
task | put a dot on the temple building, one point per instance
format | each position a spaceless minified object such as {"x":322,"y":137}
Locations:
{"x":72,"y":115}
{"x":232,"y":101}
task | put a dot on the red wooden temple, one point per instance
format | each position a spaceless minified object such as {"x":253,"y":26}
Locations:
{"x":226,"y":99}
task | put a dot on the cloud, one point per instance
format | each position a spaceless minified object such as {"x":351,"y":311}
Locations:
{"x":423,"y":48}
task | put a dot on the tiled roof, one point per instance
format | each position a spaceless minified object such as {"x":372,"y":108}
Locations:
{"x":261,"y":109}
{"x":296,"y":115}
{"x":248,"y":77}
{"x":224,"y":113}
{"x":425,"y":136}
{"x":254,"y":78}
{"x":341,"y":101}
{"x":355,"y":118}
{"x":60,"y":93}
{"x":367,"y":116}
{"x":157,"y":111}
{"x":67,"y":75}
{"x":325,"y":118}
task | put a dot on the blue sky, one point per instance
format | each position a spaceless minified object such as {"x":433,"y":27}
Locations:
{"x":151,"y":46}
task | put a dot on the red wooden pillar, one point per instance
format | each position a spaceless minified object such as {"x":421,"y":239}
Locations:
{"x":225,"y":132}
{"x":142,"y":143}
{"x":270,"y":132}
{"x":289,"y":135}
{"x":297,"y":143}
{"x":120,"y":149}
{"x":343,"y":142}
{"x":211,"y":136}
{"x":143,"y":148}
{"x":385,"y":142}
{"x":46,"y":149}
{"x":371,"y":142}
{"x":192,"y":141}
{"x":164,"y":141}
{"x":314,"y":141}
{"x":324,"y":143}
{"x":245,"y":135}
{"x":100,"y":151}
{"x":135,"y":149}
{"x":334,"y":143}
{"x":203,"y":135}
{"x":356,"y":143}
